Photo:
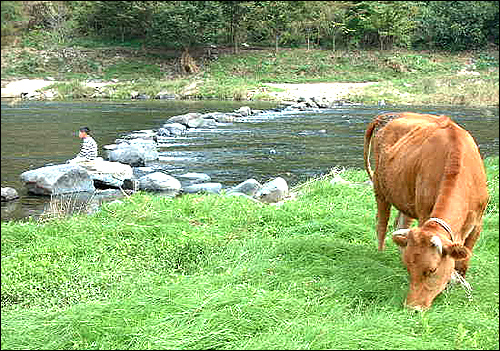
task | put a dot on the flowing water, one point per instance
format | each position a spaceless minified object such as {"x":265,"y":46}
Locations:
{"x":295,"y":145}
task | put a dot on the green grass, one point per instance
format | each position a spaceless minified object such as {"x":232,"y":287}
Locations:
{"x":217,"y":272}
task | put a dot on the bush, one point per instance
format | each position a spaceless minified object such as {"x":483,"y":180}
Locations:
{"x":456,"y":25}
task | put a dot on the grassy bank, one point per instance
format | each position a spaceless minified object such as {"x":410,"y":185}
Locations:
{"x":404,"y":77}
{"x":209,"y":271}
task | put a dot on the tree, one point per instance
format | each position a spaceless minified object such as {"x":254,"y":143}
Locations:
{"x":334,"y":19}
{"x":457,"y":25}
{"x":392,"y":21}
{"x":235,"y":12}
{"x":184,"y":24}
{"x":307,"y":23}
{"x":278,"y":16}
{"x":114,"y":19}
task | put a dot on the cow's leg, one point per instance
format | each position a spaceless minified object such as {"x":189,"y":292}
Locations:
{"x":462,"y":266}
{"x":383,"y":214}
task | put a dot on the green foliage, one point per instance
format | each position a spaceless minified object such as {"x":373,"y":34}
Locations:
{"x":457,"y":25}
{"x":13,"y":19}
{"x":392,"y":21}
{"x":12,"y":11}
{"x":118,"y":20}
{"x":185,"y":23}
{"x":341,"y":24}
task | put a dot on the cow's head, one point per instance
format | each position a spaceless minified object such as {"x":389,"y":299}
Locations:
{"x":430,"y":261}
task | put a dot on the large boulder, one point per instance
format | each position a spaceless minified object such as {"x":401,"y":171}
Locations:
{"x":160,"y":182}
{"x":135,"y":152}
{"x":107,"y":174}
{"x":172,"y":129}
{"x":58,"y":179}
{"x":248,"y":187}
{"x":244,"y":111}
{"x":191,"y":120}
{"x":272,"y":191}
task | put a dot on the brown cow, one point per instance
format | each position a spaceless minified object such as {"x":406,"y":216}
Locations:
{"x":430,"y":169}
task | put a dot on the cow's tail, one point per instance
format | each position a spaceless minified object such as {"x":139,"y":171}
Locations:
{"x":368,"y":146}
{"x":380,"y":120}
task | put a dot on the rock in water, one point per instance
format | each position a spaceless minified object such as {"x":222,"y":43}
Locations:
{"x":58,"y":179}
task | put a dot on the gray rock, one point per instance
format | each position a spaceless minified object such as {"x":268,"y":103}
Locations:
{"x":160,"y":182}
{"x":191,"y":120}
{"x":244,"y":111}
{"x":173,"y":129}
{"x":193,"y":178}
{"x":162,"y":132}
{"x":209,"y":123}
{"x":273,"y":191}
{"x":9,"y":194}
{"x":135,"y":152}
{"x":142,"y":171}
{"x":130,"y":184}
{"x":203,"y":187}
{"x":248,"y":187}
{"x":219,"y":117}
{"x":107,"y":174}
{"x":141,"y":134}
{"x":58,"y":179}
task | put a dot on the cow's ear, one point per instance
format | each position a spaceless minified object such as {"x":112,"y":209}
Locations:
{"x":400,"y":237}
{"x":457,"y":251}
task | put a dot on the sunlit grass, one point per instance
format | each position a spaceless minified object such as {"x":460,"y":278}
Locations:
{"x":210,"y":271}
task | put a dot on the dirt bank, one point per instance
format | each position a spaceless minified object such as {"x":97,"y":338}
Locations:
{"x":330,"y":91}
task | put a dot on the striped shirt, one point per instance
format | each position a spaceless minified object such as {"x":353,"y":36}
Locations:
{"x":88,"y":149}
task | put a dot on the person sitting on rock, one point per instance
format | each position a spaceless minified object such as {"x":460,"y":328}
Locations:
{"x":88,"y":151}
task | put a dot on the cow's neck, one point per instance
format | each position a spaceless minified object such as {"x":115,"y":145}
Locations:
{"x":453,"y":212}
{"x":450,"y":205}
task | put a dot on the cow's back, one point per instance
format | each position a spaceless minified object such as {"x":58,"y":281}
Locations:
{"x":421,"y":160}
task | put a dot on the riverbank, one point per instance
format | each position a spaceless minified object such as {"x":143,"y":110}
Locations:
{"x":395,"y":77}
{"x":283,"y":92}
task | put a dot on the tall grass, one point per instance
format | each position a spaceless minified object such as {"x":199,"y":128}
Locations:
{"x":217,"y":272}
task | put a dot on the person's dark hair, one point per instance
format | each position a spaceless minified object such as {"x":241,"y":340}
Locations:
{"x":85,"y":130}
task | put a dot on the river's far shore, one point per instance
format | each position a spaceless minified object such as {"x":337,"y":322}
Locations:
{"x":393,"y":77}
{"x":285,"y":92}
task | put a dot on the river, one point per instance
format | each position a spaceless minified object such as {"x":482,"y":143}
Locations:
{"x":295,"y":145}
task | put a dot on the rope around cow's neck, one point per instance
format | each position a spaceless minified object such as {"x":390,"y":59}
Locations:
{"x":443,"y":224}
{"x":455,"y":276}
